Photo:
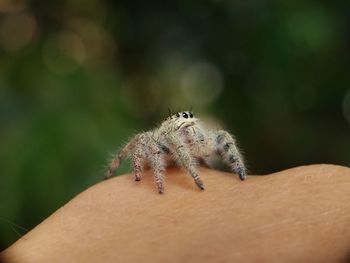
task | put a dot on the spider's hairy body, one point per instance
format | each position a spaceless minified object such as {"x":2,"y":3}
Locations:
{"x":184,"y":139}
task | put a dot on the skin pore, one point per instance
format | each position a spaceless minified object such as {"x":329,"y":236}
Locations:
{"x":297,"y":215}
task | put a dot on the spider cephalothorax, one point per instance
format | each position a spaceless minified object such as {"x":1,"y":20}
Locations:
{"x":182,"y":138}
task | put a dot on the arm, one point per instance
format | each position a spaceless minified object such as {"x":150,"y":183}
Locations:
{"x":297,"y":215}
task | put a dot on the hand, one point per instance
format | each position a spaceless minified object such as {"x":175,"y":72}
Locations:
{"x":297,"y":215}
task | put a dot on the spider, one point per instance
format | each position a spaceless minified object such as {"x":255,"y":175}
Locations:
{"x":183,"y":138}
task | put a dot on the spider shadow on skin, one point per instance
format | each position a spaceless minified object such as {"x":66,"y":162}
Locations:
{"x":217,"y":164}
{"x":224,"y":171}
{"x":178,"y":176}
{"x":173,"y":176}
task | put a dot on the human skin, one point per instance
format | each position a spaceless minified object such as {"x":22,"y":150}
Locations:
{"x":297,"y":215}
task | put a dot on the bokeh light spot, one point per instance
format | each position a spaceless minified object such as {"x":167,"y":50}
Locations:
{"x":201,"y":83}
{"x":17,"y":31}
{"x":92,"y":9}
{"x":12,"y":5}
{"x":310,"y":28}
{"x":64,"y":52}
{"x":99,"y":45}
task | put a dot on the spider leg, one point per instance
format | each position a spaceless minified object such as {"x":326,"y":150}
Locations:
{"x":226,"y":147}
{"x":140,"y":153}
{"x":118,"y":158}
{"x":138,"y":162}
{"x":182,"y":153}
{"x":157,"y":164}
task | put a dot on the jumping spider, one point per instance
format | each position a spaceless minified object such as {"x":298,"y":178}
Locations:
{"x":182,"y":138}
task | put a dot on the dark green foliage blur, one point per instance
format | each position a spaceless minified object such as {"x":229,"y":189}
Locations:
{"x":77,"y":78}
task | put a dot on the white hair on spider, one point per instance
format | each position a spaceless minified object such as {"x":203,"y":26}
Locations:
{"x":183,"y":138}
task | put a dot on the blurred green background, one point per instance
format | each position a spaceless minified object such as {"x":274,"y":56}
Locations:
{"x":77,"y":78}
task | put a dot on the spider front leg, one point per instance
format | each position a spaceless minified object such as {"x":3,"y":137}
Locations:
{"x":140,"y":153}
{"x":135,"y":149}
{"x":182,"y":153}
{"x":117,"y":159}
{"x":227,"y":148}
{"x":158,"y":165}
{"x":138,"y":157}
{"x":146,"y":149}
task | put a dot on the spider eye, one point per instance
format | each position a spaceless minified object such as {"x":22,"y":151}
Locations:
{"x":185,"y":115}
{"x":191,"y":115}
